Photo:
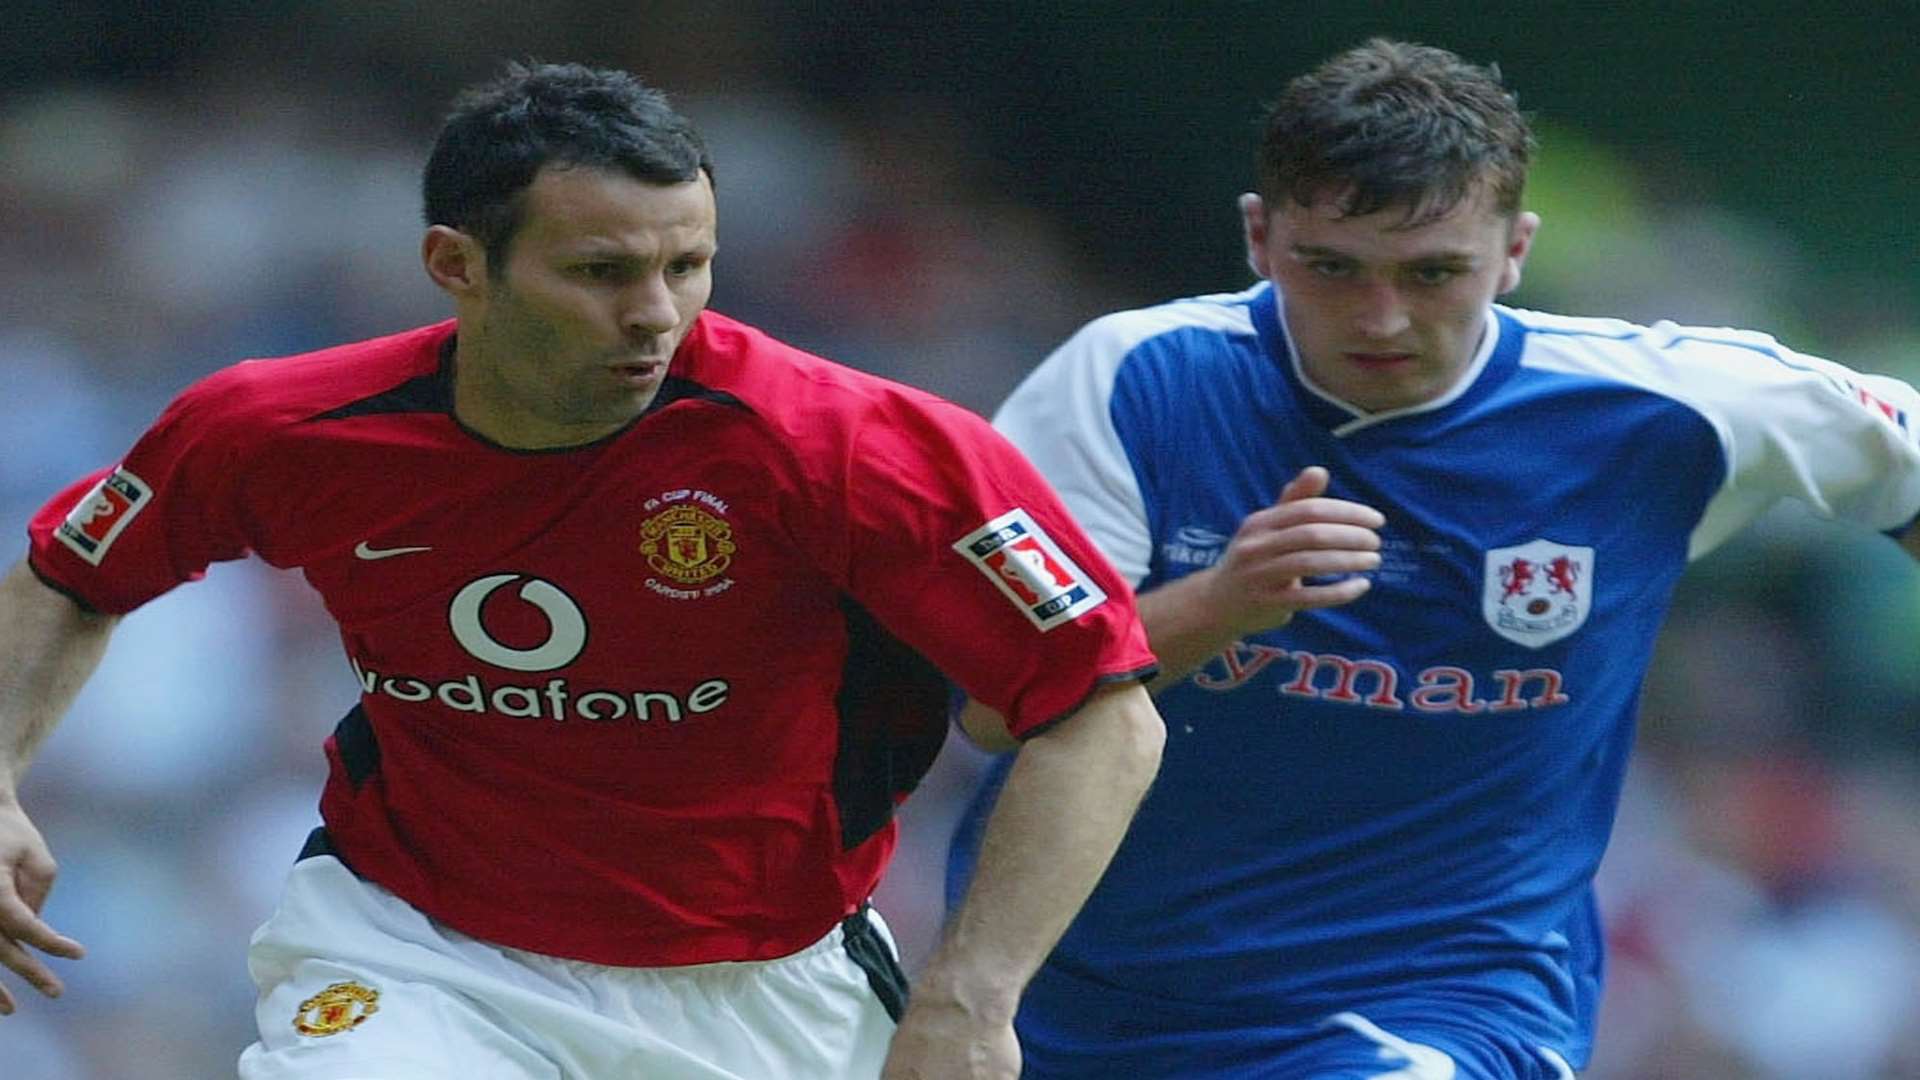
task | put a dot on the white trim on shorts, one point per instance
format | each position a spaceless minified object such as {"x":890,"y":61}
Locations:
{"x":453,"y":1007}
{"x":1561,"y":1070}
{"x":1427,"y":1062}
{"x":1422,"y":1062}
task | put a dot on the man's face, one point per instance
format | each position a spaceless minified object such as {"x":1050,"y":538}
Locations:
{"x":571,"y":337}
{"x":1386,"y":317}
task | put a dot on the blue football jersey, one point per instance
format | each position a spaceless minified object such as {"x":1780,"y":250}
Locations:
{"x":1395,"y":808}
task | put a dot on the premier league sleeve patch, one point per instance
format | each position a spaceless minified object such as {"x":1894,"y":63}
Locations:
{"x":103,"y":514}
{"x":1030,"y":569}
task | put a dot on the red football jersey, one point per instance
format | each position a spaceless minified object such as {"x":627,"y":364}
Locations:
{"x":648,"y":701}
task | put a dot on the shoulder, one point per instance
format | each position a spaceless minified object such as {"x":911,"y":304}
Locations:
{"x":809,"y":400}
{"x":1153,"y":348}
{"x":1224,"y":317}
{"x":1667,"y":357}
{"x":260,"y":395}
{"x":1752,"y":389}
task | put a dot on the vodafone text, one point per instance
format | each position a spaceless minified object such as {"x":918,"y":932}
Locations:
{"x":555,"y":700}
{"x":1376,"y":684}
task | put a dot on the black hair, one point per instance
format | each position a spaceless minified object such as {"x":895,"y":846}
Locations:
{"x":501,"y":133}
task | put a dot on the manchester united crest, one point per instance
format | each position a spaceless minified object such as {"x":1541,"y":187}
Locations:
{"x":340,"y":1007}
{"x":687,"y":544}
{"x":1538,"y":592}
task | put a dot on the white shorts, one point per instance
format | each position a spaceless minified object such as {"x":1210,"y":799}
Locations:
{"x":355,"y":984}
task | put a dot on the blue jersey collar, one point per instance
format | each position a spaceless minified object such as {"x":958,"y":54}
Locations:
{"x":1495,"y":361}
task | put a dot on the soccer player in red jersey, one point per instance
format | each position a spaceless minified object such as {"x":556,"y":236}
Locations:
{"x":653,"y":618}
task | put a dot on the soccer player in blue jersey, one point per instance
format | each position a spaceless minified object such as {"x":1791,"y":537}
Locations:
{"x":1403,"y":553}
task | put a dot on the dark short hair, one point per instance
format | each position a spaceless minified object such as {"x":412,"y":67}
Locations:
{"x":1391,"y":124}
{"x":501,"y":133}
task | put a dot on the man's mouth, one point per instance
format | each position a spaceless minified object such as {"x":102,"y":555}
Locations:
{"x":638,"y":370}
{"x":1378,"y":359}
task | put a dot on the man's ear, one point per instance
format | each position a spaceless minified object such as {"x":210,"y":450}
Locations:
{"x":1519,"y":244}
{"x":1253,"y":226}
{"x":454,"y":260}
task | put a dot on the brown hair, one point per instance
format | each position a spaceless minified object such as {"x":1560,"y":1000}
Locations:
{"x":1390,"y":124}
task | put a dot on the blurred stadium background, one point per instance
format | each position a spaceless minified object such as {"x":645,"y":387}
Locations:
{"x":941,"y":195}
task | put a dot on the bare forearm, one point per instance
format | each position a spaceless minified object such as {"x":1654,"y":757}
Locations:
{"x":1061,"y":815}
{"x":1184,"y":627}
{"x":48,"y":648}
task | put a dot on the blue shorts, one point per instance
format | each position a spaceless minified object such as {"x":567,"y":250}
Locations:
{"x":1070,"y":1030}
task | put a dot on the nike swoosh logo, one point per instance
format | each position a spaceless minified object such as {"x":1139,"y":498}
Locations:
{"x":364,"y":551}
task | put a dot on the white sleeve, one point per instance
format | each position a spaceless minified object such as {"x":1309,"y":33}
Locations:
{"x":1059,"y":416}
{"x":1797,"y":426}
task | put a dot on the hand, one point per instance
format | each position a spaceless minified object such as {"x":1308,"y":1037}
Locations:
{"x":941,"y":1039}
{"x":26,"y":876}
{"x":1260,"y":580}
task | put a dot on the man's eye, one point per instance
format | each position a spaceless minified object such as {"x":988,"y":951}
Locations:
{"x":1435,"y":275}
{"x":684,"y":267}
{"x":599,"y":271}
{"x":1330,"y":268}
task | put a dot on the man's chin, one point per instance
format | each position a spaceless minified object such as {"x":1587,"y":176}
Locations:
{"x":635,"y":399}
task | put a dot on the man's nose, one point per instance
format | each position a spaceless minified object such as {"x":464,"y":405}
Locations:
{"x":648,"y":307}
{"x":1381,"y":313}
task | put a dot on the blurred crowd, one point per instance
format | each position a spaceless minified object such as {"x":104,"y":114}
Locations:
{"x":1763,"y":891}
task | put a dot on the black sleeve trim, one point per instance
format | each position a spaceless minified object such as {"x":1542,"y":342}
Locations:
{"x":430,"y":393}
{"x":892,"y":708}
{"x":1143,"y":674}
{"x":78,"y":600}
{"x":674,"y":388}
{"x":359,"y":751}
{"x":433,"y":393}
{"x":320,"y":842}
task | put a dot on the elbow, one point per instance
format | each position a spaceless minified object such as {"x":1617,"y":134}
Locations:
{"x":1142,"y":729}
{"x":1122,"y":727}
{"x":1146,"y":739}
